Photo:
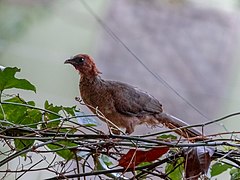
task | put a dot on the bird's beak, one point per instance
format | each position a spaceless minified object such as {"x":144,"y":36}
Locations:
{"x":69,"y":61}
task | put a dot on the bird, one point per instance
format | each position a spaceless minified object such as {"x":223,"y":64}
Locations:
{"x":124,"y":105}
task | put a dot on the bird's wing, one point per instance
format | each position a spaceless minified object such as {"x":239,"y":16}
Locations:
{"x":132,"y":101}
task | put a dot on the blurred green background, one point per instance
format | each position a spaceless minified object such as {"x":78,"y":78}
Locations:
{"x":192,"y":44}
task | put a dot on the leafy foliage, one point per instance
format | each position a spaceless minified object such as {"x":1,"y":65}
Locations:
{"x":17,"y":112}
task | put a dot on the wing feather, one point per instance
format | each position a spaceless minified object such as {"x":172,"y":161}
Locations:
{"x":131,"y":101}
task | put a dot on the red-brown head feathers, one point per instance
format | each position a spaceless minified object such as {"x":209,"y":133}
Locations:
{"x":84,"y":64}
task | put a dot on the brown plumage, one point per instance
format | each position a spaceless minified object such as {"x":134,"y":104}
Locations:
{"x":123,"y":104}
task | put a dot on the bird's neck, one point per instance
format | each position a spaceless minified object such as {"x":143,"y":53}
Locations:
{"x":89,"y":79}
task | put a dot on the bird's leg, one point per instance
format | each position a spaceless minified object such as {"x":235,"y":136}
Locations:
{"x":113,"y":130}
{"x":129,"y":129}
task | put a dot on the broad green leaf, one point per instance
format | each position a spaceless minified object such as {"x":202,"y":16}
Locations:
{"x":219,"y":168}
{"x":62,"y":150}
{"x":21,"y":114}
{"x":8,"y":80}
{"x":175,"y":169}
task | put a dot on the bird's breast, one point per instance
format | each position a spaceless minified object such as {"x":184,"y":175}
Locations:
{"x":97,"y":96}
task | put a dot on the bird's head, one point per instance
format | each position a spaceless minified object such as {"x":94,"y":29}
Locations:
{"x":84,"y":64}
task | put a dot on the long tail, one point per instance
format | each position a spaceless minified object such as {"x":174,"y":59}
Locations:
{"x":172,"y":122}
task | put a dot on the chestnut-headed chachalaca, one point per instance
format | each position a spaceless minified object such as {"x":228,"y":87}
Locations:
{"x":122,"y":104}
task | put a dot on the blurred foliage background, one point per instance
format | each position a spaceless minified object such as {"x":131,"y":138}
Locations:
{"x":191,"y":44}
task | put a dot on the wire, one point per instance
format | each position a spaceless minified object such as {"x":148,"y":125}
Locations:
{"x":158,"y":77}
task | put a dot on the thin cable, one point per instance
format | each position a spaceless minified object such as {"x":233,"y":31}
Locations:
{"x":158,"y":77}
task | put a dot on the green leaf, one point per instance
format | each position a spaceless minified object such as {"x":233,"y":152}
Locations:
{"x":167,"y":137}
{"x":144,"y":164}
{"x":49,"y":116}
{"x":141,"y":165}
{"x":106,"y":160}
{"x":230,"y":148}
{"x":21,"y":144}
{"x":61,"y":148}
{"x":100,"y":164}
{"x":219,"y":168}
{"x":71,"y":110}
{"x":21,"y":114}
{"x":56,"y":110}
{"x":175,"y":169}
{"x":52,"y":108}
{"x":8,"y":80}
{"x":235,"y":174}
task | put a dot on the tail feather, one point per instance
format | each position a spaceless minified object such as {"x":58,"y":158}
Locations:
{"x":172,"y":122}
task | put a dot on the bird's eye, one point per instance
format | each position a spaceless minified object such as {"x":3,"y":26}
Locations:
{"x":80,"y":59}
